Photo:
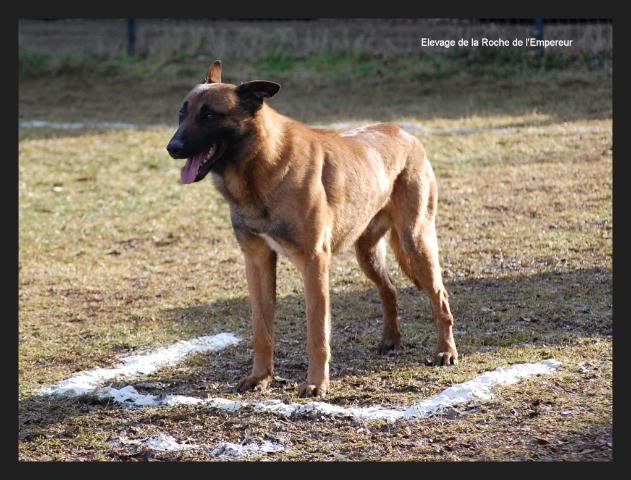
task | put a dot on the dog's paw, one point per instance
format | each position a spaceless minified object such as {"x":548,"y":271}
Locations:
{"x":387,"y":345}
{"x":253,"y":382}
{"x":311,"y":390}
{"x":443,"y":359}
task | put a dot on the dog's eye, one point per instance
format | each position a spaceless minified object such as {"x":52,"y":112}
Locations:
{"x":212,"y":116}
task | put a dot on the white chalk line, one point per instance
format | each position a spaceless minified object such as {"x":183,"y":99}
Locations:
{"x":411,"y":127}
{"x":34,"y":124}
{"x":87,"y":125}
{"x":477,"y":389}
{"x":166,"y":443}
{"x":88,"y":383}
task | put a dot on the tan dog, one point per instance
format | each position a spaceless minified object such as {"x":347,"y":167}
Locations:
{"x":308,"y":193}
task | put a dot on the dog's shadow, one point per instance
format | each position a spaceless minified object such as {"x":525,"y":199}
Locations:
{"x":550,"y":308}
{"x":555,"y":308}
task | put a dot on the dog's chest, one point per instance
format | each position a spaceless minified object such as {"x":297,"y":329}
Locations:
{"x":273,"y":244}
{"x":256,"y":221}
{"x":254,"y":217}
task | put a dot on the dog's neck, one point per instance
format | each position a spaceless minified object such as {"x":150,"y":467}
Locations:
{"x":258,"y":155}
{"x":269,"y":133}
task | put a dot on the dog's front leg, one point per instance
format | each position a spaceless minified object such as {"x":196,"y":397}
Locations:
{"x":260,"y":268}
{"x":316,"y":280}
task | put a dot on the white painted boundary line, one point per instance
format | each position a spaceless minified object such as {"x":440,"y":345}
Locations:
{"x":92,"y":125}
{"x":166,"y":443}
{"x":88,"y":382}
{"x":478,"y":388}
{"x":411,"y":127}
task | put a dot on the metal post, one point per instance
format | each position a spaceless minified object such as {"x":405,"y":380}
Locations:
{"x":131,"y":35}
{"x":539,"y":34}
{"x":539,"y":28}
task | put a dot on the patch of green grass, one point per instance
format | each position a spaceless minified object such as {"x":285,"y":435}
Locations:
{"x":331,"y":64}
{"x":273,"y":64}
{"x":326,"y":88}
{"x":493,"y":63}
{"x":41,"y":64}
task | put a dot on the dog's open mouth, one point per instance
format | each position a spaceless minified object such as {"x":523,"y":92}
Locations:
{"x":198,"y":166}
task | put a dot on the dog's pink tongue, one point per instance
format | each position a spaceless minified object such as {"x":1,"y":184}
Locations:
{"x":189,"y":171}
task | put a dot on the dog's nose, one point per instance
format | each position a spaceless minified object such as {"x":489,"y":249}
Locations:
{"x":175,"y":148}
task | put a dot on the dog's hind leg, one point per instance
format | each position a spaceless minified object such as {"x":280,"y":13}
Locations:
{"x":402,"y":258}
{"x":370,"y":249}
{"x":415,"y":244}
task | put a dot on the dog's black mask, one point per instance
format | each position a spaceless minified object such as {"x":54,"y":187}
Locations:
{"x":214,"y":119}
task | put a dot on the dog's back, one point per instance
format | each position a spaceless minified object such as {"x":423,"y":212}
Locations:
{"x":356,"y":172}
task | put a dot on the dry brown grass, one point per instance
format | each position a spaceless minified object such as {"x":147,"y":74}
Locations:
{"x":116,"y":256}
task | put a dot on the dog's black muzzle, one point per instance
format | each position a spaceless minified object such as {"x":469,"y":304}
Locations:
{"x":176,"y":149}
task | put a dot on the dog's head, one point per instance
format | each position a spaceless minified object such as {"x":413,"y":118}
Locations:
{"x":214,"y":118}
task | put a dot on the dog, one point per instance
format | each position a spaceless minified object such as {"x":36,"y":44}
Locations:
{"x":308,"y":193}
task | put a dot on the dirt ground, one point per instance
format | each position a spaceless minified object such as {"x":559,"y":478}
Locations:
{"x":117,"y":257}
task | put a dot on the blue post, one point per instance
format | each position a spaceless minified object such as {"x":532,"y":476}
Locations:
{"x":131,"y":35}
{"x":539,"y":34}
{"x":539,"y":28}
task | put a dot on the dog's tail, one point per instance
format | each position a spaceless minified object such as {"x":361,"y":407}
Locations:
{"x":402,"y":258}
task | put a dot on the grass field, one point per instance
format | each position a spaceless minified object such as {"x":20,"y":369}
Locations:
{"x":115,"y":257}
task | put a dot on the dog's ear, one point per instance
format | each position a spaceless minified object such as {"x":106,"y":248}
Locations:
{"x":252,"y":93}
{"x":214,"y":73}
